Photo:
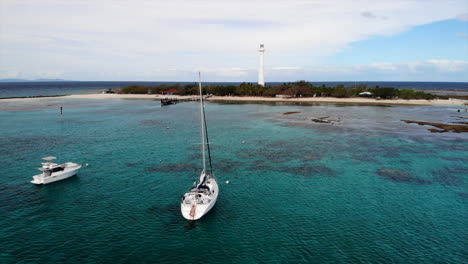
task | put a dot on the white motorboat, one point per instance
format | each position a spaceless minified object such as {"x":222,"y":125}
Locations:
{"x":202,"y":197}
{"x":52,"y":172}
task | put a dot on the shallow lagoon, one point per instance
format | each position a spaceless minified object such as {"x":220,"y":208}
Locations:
{"x":366,"y":187}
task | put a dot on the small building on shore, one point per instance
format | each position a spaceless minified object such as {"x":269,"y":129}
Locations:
{"x":283,"y":96}
{"x":366,"y":94}
{"x":109,"y":91}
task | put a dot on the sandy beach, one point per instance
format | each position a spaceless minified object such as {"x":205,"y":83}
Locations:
{"x":451,"y":101}
{"x":274,"y":99}
{"x":343,"y":100}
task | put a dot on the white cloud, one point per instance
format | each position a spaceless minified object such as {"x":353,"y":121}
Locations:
{"x":463,"y":17}
{"x":446,"y":65}
{"x":436,"y":69}
{"x":127,"y":39}
{"x":226,"y":72}
{"x":384,"y":66}
{"x":10,"y":74}
{"x":286,"y":68}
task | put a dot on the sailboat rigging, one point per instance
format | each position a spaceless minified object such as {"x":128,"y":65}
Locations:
{"x":202,"y":197}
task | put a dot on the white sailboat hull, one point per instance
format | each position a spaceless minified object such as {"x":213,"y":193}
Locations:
{"x":202,"y":197}
{"x":194,"y":209}
{"x":69,"y":170}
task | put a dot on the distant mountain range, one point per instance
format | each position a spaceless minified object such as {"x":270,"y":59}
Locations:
{"x":35,"y":80}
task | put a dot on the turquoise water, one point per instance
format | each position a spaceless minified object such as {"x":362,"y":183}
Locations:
{"x":367,"y":188}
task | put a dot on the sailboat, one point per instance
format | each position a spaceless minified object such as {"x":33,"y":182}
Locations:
{"x":202,"y":197}
{"x":52,"y":172}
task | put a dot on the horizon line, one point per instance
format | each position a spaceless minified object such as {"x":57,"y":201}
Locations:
{"x":6,"y":80}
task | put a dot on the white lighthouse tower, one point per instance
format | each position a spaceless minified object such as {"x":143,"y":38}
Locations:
{"x":261,"y":78}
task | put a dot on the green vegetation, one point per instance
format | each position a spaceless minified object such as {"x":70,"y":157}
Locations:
{"x":295,"y":89}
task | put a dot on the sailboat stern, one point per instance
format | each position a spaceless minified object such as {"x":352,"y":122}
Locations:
{"x":193,"y":211}
{"x":198,"y":202}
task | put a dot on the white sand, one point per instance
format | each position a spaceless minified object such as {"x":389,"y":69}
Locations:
{"x":343,"y":100}
{"x":274,"y":99}
{"x":267,"y":99}
{"x":118,"y":96}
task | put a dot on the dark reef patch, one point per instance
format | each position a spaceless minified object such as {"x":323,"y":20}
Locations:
{"x":461,"y":159}
{"x":197,"y":147}
{"x":172,"y":209}
{"x":78,"y":121}
{"x":259,"y":165}
{"x":297,"y":124}
{"x":460,"y":117}
{"x":309,"y":171}
{"x":290,"y":144}
{"x":190,"y":225}
{"x":364,"y":156}
{"x":448,"y":176}
{"x":178,"y":167}
{"x":280,"y":151}
{"x":273,"y":155}
{"x":17,"y":197}
{"x":307,"y":124}
{"x":447,"y":179}
{"x":240,"y":127}
{"x":463,"y":195}
{"x":400,"y":176}
{"x":391,"y":152}
{"x":225,"y":165}
{"x":456,"y":147}
{"x":325,"y":119}
{"x":415,"y":150}
{"x":310,"y":158}
{"x":153,"y":123}
{"x":441,"y":127}
{"x":28,"y":144}
{"x":318,"y":120}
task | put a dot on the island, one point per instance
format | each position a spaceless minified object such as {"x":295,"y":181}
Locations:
{"x":293,"y":92}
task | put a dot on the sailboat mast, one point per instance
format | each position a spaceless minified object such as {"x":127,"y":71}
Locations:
{"x":207,"y":142}
{"x":202,"y":119}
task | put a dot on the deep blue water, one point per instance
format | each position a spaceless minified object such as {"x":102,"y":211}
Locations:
{"x":368,"y":188}
{"x":20,"y":89}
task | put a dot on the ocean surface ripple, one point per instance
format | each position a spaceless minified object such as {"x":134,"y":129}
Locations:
{"x":363,"y":190}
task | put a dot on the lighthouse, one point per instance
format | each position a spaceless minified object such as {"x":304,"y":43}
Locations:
{"x":261,"y":78}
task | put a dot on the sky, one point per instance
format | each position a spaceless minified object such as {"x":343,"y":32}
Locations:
{"x":313,"y":40}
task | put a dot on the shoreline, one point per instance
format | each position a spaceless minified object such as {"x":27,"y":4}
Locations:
{"x":32,"y":96}
{"x":357,"y":100}
{"x":340,"y":100}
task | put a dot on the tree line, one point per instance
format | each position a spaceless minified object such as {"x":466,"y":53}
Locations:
{"x":292,"y":89}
